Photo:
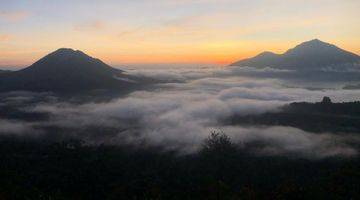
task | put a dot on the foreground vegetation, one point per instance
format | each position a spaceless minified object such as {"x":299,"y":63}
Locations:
{"x":31,"y":169}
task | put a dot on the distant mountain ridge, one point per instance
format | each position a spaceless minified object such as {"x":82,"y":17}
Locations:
{"x":66,"y":70}
{"x":319,"y":117}
{"x":310,"y":55}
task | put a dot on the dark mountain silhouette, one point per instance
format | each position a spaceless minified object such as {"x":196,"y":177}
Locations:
{"x":66,"y":70}
{"x":310,"y":55}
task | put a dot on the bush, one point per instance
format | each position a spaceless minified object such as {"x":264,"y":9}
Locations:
{"x":219,"y":143}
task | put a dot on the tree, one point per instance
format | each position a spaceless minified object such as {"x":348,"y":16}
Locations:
{"x":219,"y":157}
{"x":326,"y":100}
{"x":218,"y":143}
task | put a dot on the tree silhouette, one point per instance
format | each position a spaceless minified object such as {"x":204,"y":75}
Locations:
{"x":218,"y":143}
{"x":219,"y":157}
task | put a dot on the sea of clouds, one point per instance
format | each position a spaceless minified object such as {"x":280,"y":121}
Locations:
{"x":181,"y":111}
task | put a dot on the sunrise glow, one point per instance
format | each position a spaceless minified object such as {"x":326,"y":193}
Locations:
{"x":199,"y":31}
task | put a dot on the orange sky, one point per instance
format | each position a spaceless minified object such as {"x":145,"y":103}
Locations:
{"x":200,"y":31}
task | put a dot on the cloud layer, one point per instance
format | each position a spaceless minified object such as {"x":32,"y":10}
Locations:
{"x":181,"y":112}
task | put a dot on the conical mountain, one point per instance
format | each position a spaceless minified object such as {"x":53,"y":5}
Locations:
{"x":310,"y":55}
{"x":66,"y":70}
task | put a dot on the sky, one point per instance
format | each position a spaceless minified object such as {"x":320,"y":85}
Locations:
{"x":219,"y":32}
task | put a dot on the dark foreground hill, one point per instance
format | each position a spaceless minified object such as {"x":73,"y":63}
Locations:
{"x":67,"y":70}
{"x":310,"y":55}
{"x":33,"y":169}
{"x":323,"y":116}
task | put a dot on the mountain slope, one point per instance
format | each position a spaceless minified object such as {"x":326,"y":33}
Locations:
{"x":2,"y":71}
{"x":66,"y":70}
{"x":310,"y":55}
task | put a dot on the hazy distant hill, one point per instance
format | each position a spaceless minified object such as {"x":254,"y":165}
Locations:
{"x":66,"y":70}
{"x":352,"y":87}
{"x":310,"y":55}
{"x":319,"y":117}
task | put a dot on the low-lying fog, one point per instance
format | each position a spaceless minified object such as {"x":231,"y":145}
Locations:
{"x":180,"y":112}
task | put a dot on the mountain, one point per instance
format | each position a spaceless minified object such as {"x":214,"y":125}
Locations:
{"x":310,"y":55}
{"x":4,"y":71}
{"x":66,"y":70}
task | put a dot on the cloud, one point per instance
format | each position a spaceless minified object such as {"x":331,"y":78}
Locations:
{"x":324,"y":78}
{"x":179,"y":114}
{"x":95,"y":25}
{"x":161,"y":75}
{"x":18,"y":128}
{"x":182,"y":123}
{"x":130,"y":31}
{"x":14,"y":16}
{"x":279,"y":140}
{"x":25,"y":97}
{"x":172,"y":75}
